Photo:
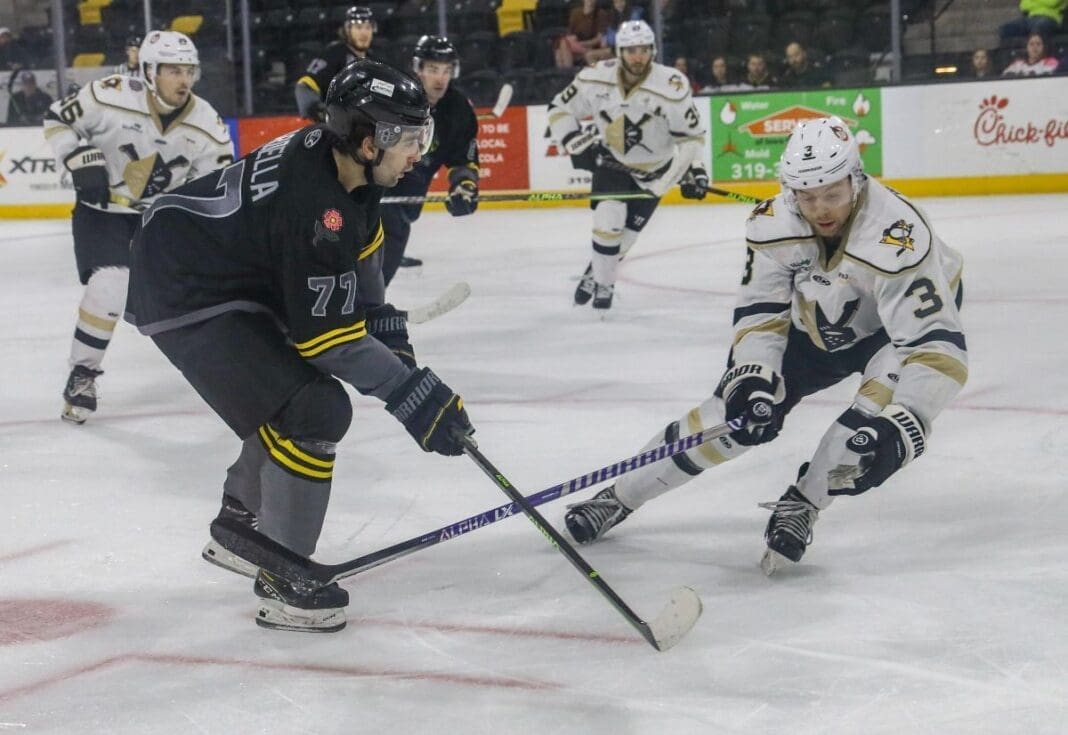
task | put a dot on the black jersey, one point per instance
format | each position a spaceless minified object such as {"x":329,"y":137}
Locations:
{"x":273,"y":232}
{"x":455,"y":144}
{"x":323,"y":68}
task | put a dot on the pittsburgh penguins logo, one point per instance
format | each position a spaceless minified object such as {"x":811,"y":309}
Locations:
{"x":764,"y":209}
{"x":899,"y":235}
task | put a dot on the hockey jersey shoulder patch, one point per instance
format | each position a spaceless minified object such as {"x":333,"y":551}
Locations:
{"x":890,"y":235}
{"x":668,"y":82}
{"x":771,"y":224}
{"x":121,"y":92}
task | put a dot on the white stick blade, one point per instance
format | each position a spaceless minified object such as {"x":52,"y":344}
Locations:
{"x":445,"y":303}
{"x":504,"y":98}
{"x":677,"y":618}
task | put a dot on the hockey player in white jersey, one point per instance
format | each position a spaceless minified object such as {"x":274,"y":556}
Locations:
{"x":842,"y":276}
{"x":125,"y":141}
{"x":645,"y":136}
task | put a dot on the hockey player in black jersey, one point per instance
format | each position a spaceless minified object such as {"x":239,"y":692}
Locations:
{"x":357,"y":33}
{"x":262,"y":283}
{"x":455,"y":146}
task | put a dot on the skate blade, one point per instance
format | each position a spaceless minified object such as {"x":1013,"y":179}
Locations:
{"x":275,"y":615}
{"x":215,"y":554}
{"x":773,"y":561}
{"x":74,"y":414}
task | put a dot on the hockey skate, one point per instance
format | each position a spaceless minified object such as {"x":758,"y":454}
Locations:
{"x":789,"y":530}
{"x":284,"y":608}
{"x":584,"y":290}
{"x":589,"y":520}
{"x":215,"y":553}
{"x":79,"y":397}
{"x":602,"y":296}
{"x":406,"y":262}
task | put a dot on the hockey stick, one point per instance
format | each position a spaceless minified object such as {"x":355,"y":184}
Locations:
{"x":453,"y":297}
{"x":675,"y":619}
{"x":504,"y":98}
{"x":520,"y":196}
{"x":609,"y":162}
{"x":260,"y":551}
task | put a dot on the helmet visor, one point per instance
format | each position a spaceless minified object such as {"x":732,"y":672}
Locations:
{"x":410,"y":138}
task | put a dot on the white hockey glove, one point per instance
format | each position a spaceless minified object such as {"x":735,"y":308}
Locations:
{"x":756,"y":392}
{"x":885,"y":444}
{"x":583,"y":146}
{"x":89,"y":175}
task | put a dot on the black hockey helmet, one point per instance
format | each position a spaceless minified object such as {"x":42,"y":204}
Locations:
{"x":359,"y":14}
{"x":436,"y":48}
{"x":132,"y":41}
{"x":368,"y":97}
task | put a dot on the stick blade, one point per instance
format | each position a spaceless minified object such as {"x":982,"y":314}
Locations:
{"x":676,"y":619}
{"x":456,"y":295}
{"x":504,"y":98}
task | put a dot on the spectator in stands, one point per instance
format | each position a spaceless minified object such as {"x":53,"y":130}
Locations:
{"x":1036,"y":61}
{"x":620,"y":12}
{"x":981,"y":66}
{"x":757,"y":76}
{"x":800,"y":72}
{"x":585,"y":32}
{"x":11,"y":54}
{"x":721,"y":77}
{"x":1036,"y":16}
{"x":682,"y":65}
{"x":27,"y":106}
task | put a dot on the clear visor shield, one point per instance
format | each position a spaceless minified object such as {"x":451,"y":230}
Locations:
{"x":409,"y":138}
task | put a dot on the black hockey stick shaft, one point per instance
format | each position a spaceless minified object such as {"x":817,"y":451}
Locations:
{"x":253,"y":546}
{"x":558,"y":541}
{"x":609,"y":162}
{"x":520,"y":196}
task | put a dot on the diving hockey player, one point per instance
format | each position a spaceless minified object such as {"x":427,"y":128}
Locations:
{"x":645,"y":136}
{"x":125,"y":141}
{"x":842,"y":276}
{"x":455,"y":146}
{"x":358,"y":31}
{"x":262,"y":283}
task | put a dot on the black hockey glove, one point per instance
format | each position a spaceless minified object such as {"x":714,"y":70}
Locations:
{"x":431,"y":412}
{"x":885,"y":444}
{"x":694,"y":184}
{"x":755,"y":392}
{"x":89,"y":175}
{"x":390,"y":327}
{"x":584,"y":149}
{"x":463,"y":195}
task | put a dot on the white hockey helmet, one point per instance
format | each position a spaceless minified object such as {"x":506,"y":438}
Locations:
{"x":635,"y":33}
{"x":820,"y":152}
{"x":166,"y":47}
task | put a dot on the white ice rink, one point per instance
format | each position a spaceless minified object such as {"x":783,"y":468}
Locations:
{"x":935,"y":604}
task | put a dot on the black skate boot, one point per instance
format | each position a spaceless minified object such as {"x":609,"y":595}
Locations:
{"x":215,"y":553}
{"x":584,"y":290}
{"x":284,"y":608}
{"x":406,"y":262}
{"x":79,"y":397}
{"x":789,"y":530}
{"x":589,"y":520}
{"x":602,"y":296}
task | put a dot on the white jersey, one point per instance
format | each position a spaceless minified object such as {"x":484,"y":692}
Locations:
{"x":890,"y":272}
{"x":644,"y":128}
{"x":120,"y":116}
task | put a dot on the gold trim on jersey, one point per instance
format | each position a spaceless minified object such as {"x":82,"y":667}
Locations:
{"x":333,"y":338}
{"x":156,"y":112}
{"x":780,"y":327}
{"x":287,"y":454}
{"x":791,"y":240}
{"x":693,"y":421}
{"x":376,"y":242}
{"x":311,"y":84}
{"x":876,"y":392}
{"x":951,"y":367}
